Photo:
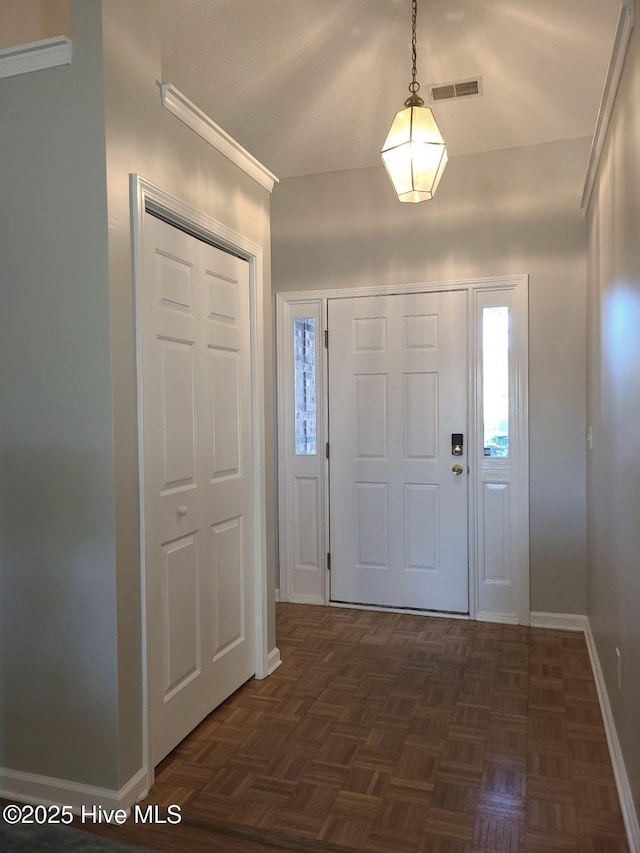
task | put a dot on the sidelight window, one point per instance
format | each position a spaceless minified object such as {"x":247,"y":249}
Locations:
{"x":495,"y":375}
{"x":304,"y":343}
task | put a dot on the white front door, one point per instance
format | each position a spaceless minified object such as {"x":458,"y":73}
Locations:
{"x":196,"y":399}
{"x":397,"y":392}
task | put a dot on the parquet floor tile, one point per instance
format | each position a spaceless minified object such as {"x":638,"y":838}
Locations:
{"x":390,"y":733}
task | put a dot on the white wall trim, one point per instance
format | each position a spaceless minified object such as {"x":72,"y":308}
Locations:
{"x":578,"y":622}
{"x":145,"y":196}
{"x":306,"y":599}
{"x":46,"y":790}
{"x":274,"y":660}
{"x":499,"y":618}
{"x":35,"y":56}
{"x":612,"y":81}
{"x":559,"y":621}
{"x":629,"y":813}
{"x":277,"y":595}
{"x":182,"y":108}
{"x":384,"y":290}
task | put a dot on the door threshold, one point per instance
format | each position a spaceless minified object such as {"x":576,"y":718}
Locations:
{"x":410,"y":611}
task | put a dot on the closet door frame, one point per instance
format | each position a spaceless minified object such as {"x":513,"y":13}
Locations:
{"x":148,"y":198}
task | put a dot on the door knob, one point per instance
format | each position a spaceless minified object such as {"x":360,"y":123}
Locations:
{"x":182,"y":510}
{"x":457,"y":470}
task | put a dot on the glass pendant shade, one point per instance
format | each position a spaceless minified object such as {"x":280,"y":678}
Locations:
{"x":414,"y":153}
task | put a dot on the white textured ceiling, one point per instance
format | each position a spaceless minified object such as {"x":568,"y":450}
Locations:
{"x":311,"y":86}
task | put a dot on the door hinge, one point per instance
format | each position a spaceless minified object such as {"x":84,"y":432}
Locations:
{"x":328,"y":562}
{"x":326,"y":338}
{"x":327,"y":450}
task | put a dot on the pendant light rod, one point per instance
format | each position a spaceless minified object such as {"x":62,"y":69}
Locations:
{"x":414,"y":87}
{"x":414,"y":152}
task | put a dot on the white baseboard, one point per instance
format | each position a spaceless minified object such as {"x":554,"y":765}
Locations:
{"x":46,"y":790}
{"x":577,"y":622}
{"x":277,"y":595}
{"x":619,"y":770}
{"x":499,"y":618}
{"x":273,"y":660}
{"x":306,"y":599}
{"x":560,"y":621}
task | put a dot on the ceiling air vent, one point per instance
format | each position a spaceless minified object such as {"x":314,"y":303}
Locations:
{"x":457,"y":89}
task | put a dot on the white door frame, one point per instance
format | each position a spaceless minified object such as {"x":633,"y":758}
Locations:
{"x":146,"y":197}
{"x":518,"y":544}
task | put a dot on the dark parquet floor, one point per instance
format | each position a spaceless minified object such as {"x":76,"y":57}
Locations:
{"x":391,"y":733}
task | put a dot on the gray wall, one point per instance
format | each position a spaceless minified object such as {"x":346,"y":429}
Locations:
{"x":70,"y":626}
{"x":498,"y":213}
{"x":613,"y":360}
{"x":144,"y":138}
{"x":58,"y":622}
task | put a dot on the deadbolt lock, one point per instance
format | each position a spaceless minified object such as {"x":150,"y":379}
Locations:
{"x":457,"y":444}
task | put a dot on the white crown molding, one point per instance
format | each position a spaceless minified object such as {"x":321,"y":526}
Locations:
{"x":35,"y":56}
{"x":45,"y":790}
{"x":629,"y":813}
{"x":181,"y":107}
{"x":559,"y":621}
{"x":506,"y":281}
{"x":614,"y":73}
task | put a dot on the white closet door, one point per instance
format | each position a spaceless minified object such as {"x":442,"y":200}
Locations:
{"x":397,"y":393}
{"x":196,"y":386}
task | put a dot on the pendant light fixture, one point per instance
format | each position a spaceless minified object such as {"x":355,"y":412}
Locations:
{"x":414,"y":152}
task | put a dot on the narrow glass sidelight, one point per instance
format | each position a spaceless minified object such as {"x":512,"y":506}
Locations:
{"x":495,"y":381}
{"x":304,"y":348}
